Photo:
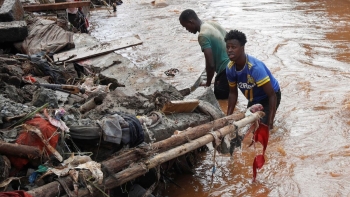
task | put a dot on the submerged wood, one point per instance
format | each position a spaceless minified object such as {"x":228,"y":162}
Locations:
{"x":18,"y":150}
{"x":119,"y":162}
{"x":141,"y":168}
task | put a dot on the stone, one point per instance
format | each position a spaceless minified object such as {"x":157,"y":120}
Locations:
{"x":160,"y":3}
{"x":11,"y":10}
{"x":13,"y":31}
{"x":42,"y":96}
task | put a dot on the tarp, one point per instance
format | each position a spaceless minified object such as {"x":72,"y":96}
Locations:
{"x":46,"y":36}
{"x":30,"y":139}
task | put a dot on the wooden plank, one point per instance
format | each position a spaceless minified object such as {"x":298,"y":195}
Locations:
{"x":55,"y":6}
{"x":86,"y":52}
{"x":184,"y":106}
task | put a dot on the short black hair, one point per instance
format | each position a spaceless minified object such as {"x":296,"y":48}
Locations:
{"x":236,"y":35}
{"x":187,"y":15}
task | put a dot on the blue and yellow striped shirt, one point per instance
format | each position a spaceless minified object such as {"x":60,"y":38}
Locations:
{"x":250,"y":79}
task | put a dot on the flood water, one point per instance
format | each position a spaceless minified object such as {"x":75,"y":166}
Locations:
{"x":305,"y":43}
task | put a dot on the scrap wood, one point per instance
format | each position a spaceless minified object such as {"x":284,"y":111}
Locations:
{"x":19,"y":150}
{"x":116,"y":163}
{"x":55,"y":6}
{"x":86,"y":52}
{"x":64,"y":60}
{"x":139,"y":169}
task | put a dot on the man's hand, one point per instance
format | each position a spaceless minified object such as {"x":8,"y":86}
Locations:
{"x":270,"y":126}
{"x":204,"y":83}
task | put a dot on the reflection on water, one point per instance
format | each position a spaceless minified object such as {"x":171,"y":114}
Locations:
{"x":305,"y":43}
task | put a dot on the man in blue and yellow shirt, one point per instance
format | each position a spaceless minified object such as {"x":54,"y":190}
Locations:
{"x":252,"y":77}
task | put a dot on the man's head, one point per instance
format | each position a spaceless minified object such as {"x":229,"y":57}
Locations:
{"x":235,"y":41}
{"x":190,"y":21}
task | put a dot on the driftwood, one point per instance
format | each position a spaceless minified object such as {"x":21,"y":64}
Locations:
{"x":18,"y":150}
{"x":119,"y":162}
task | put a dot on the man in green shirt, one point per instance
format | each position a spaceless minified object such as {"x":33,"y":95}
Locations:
{"x":211,"y":38}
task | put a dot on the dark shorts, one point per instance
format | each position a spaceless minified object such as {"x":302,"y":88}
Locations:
{"x":221,"y":88}
{"x":265,"y":104}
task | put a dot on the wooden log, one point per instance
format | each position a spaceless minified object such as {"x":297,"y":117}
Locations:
{"x":52,"y":189}
{"x":195,"y":132}
{"x":18,"y":150}
{"x":119,"y":162}
{"x":139,"y":169}
{"x":56,"y":6}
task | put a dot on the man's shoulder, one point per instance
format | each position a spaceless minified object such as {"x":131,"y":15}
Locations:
{"x":211,"y":30}
{"x":253,"y":62}
{"x":230,"y":65}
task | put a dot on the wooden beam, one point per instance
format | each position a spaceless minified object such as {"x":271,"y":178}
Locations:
{"x":55,"y":6}
{"x":92,"y":51}
{"x":117,"y":163}
{"x":19,"y":150}
{"x":139,"y":169}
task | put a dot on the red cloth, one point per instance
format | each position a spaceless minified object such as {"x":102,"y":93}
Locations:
{"x":261,"y":135}
{"x":31,"y":139}
{"x":15,"y":194}
{"x":29,"y":79}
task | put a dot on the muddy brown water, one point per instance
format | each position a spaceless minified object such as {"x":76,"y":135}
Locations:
{"x":305,"y":43}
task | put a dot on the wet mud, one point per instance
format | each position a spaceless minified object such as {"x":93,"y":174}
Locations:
{"x":305,"y":43}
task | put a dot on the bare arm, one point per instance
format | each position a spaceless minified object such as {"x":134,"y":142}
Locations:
{"x":209,"y":65}
{"x":272,"y":103}
{"x":232,"y":100}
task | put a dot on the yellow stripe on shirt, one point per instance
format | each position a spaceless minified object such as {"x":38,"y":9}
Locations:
{"x":230,"y":64}
{"x":263,"y":81}
{"x":232,"y":84}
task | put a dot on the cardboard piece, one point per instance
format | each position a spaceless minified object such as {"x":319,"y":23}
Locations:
{"x":183,"y":106}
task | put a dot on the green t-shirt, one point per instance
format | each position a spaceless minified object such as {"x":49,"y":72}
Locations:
{"x":212,"y":35}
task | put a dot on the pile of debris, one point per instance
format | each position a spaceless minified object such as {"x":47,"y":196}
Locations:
{"x":69,"y":123}
{"x":78,"y":119}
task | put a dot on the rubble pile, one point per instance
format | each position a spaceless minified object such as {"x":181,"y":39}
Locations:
{"x":74,"y":123}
